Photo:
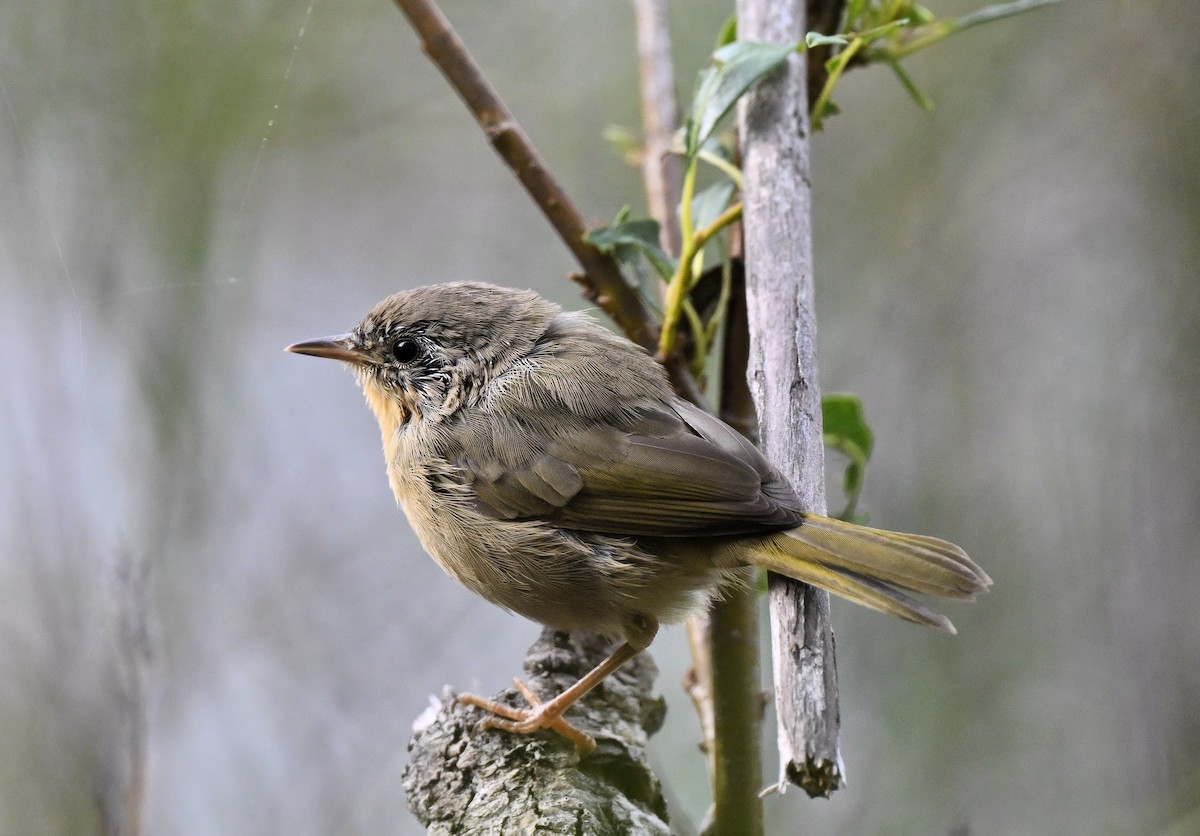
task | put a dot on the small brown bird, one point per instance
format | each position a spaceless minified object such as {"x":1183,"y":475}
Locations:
{"x":548,"y":465}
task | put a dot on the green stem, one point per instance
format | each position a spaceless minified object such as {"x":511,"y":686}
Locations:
{"x":928,"y":36}
{"x":722,"y":307}
{"x":835,"y":73}
{"x":737,"y":714}
{"x":684,"y":278}
{"x":940,"y":30}
{"x":737,"y":698}
{"x":722,"y":220}
{"x":685,"y":199}
{"x":700,"y":335}
{"x":723,"y":165}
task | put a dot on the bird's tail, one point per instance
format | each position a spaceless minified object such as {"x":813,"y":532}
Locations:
{"x":872,"y":567}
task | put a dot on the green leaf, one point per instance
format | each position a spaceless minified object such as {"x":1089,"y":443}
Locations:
{"x":854,"y":10}
{"x":705,"y":87}
{"x":728,"y":33}
{"x":921,"y":15}
{"x":736,"y":68}
{"x":885,"y":30}
{"x":999,"y":11}
{"x":625,"y":142}
{"x":710,"y":203}
{"x":641,"y":235}
{"x":932,"y":31}
{"x":720,"y":158}
{"x":842,"y":417}
{"x":817,"y":39}
{"x":923,"y":101}
{"x":828,"y":109}
{"x":846,"y":430}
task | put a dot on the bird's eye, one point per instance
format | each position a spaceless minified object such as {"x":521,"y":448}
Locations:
{"x":405,"y":351}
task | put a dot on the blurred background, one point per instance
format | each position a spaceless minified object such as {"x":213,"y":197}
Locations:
{"x":206,"y":589}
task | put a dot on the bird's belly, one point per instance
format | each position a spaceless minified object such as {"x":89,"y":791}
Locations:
{"x":564,"y":579}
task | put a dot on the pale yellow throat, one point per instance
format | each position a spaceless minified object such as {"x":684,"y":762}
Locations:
{"x":390,"y":410}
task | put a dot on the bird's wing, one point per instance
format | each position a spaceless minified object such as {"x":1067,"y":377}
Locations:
{"x":667,"y":470}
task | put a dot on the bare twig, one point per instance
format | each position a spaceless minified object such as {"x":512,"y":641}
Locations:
{"x":772,"y":122}
{"x":122,"y":800}
{"x":661,"y":171}
{"x":698,"y":683}
{"x":601,"y":279}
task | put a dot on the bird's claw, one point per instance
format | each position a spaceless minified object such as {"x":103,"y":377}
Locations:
{"x":540,"y":715}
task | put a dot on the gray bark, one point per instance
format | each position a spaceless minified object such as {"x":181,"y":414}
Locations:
{"x":461,"y":780}
{"x":773,"y":121}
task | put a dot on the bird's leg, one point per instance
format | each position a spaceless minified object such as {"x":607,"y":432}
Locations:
{"x":548,"y":715}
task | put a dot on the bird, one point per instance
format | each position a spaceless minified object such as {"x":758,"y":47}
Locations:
{"x":547,"y":464}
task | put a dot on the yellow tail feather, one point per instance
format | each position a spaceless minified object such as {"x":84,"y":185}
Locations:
{"x":871,"y":567}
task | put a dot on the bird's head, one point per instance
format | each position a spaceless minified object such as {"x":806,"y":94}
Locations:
{"x":426,"y":353}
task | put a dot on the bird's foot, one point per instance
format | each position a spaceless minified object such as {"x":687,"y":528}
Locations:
{"x":540,"y":715}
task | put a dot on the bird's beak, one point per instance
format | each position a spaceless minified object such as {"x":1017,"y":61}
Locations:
{"x":340,"y":347}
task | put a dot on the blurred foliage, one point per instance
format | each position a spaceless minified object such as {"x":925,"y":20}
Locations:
{"x":885,"y":31}
{"x":846,"y":431}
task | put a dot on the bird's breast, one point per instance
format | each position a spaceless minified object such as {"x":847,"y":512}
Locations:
{"x":435,"y":498}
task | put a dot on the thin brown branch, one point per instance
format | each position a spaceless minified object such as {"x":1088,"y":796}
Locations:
{"x":662,"y":172}
{"x":601,"y":278}
{"x":773,"y":125}
{"x":698,"y":683}
{"x":122,"y":800}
